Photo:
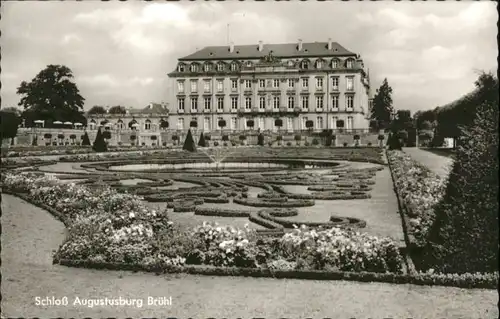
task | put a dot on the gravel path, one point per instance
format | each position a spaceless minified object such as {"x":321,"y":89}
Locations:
{"x":29,"y":235}
{"x":440,"y":165}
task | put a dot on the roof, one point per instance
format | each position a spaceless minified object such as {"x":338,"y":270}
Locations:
{"x":152,"y":108}
{"x":287,"y":50}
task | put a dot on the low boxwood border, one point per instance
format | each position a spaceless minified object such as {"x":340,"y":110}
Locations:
{"x":416,"y":279}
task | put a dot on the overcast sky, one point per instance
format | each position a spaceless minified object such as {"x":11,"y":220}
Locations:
{"x":121,"y":52}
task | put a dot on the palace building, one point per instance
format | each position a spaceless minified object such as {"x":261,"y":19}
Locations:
{"x":250,"y":86}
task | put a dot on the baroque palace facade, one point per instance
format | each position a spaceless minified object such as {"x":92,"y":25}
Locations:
{"x":320,"y":83}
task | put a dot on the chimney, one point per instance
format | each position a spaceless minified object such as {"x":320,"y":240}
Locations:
{"x":231,"y":47}
{"x":330,"y":43}
{"x":300,"y":45}
{"x":261,"y":46}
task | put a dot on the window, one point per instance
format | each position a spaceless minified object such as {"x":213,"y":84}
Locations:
{"x":234,"y":102}
{"x":208,"y":103}
{"x":304,"y":65}
{"x":291,"y":83}
{"x":147,"y":125}
{"x":180,"y":86}
{"x":180,"y":104}
{"x":335,"y":83}
{"x":119,"y":125}
{"x":248,"y":102}
{"x":319,"y":64}
{"x":233,"y":123}
{"x":289,"y":123}
{"x":335,"y":101}
{"x":262,"y":83}
{"x":305,"y":102}
{"x":194,"y":68}
{"x":234,"y":67}
{"x":276,"y":102}
{"x":220,"y":85}
{"x":319,"y":83}
{"x":220,"y":67}
{"x":207,"y":67}
{"x":194,"y":104}
{"x":350,"y":102}
{"x":305,"y":83}
{"x":180,"y":124}
{"x":262,"y":102}
{"x":220,"y":103}
{"x":304,"y":121}
{"x":182,"y":68}
{"x":350,"y":64}
{"x":276,"y":83}
{"x":350,"y":123}
{"x":319,"y":123}
{"x":291,"y":102}
{"x":248,"y":84}
{"x":335,"y":64}
{"x":350,"y":84}
{"x":206,"y":86}
{"x":319,"y":102}
{"x":206,"y":124}
{"x":234,"y":84}
{"x":261,"y":123}
{"x":249,"y":64}
{"x":194,"y":86}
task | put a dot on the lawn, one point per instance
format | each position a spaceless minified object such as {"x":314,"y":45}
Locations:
{"x":29,"y":235}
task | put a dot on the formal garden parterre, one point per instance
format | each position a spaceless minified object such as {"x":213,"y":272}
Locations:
{"x":111,"y":224}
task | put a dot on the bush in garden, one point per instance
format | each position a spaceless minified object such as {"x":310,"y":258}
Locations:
{"x":242,"y":137}
{"x":99,"y":143}
{"x":260,"y":139}
{"x":85,"y":139}
{"x":107,"y":135}
{"x":297,"y":138}
{"x":175,"y":138}
{"x":345,"y":144}
{"x":464,"y":237}
{"x":288,"y":143}
{"x":225,"y":138}
{"x":201,"y":142}
{"x":216,"y":143}
{"x":189,"y":144}
{"x":393,"y":142}
{"x":315,"y":141}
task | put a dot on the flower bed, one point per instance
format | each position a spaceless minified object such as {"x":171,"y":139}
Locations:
{"x":260,"y":203}
{"x":418,"y":190}
{"x":115,"y":231}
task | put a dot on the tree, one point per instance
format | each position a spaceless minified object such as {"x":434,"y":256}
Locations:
{"x":97,"y":109}
{"x":193,"y":124}
{"x":107,"y":134}
{"x":52,"y":96}
{"x":117,"y":109}
{"x":99,"y":143}
{"x":260,"y":139}
{"x":222,"y":124}
{"x":86,"y":140}
{"x":189,"y":144}
{"x":9,"y":123}
{"x":309,"y":125}
{"x":382,"y":106}
{"x":250,"y":123}
{"x":464,"y":236}
{"x":164,"y":124}
{"x":201,"y":142}
{"x":278,"y":123}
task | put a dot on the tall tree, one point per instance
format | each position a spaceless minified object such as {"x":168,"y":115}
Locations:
{"x":9,"y":122}
{"x":86,"y":140}
{"x":201,"y":141}
{"x":99,"y":143}
{"x":52,"y":96}
{"x":117,"y":109}
{"x":189,"y":144}
{"x":382,"y":106}
{"x":97,"y":109}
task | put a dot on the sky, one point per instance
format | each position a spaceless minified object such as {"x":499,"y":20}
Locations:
{"x":121,"y":52}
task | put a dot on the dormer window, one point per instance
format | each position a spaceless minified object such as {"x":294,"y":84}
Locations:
{"x":234,"y":66}
{"x":290,"y":63}
{"x":181,"y":68}
{"x":207,"y":67}
{"x":304,"y":65}
{"x":249,"y":64}
{"x":220,"y":67}
{"x":350,"y":64}
{"x":319,"y":64}
{"x":335,"y":64}
{"x":194,"y":68}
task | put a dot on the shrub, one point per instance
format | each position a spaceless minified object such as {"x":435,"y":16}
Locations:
{"x":193,"y":124}
{"x":106,"y":135}
{"x":133,"y":137}
{"x":381,"y":137}
{"x":201,"y":141}
{"x":250,"y":123}
{"x":60,"y":136}
{"x":369,"y":144}
{"x":175,"y":138}
{"x":243,"y":137}
{"x":270,"y":143}
{"x":189,"y":144}
{"x":47,"y":135}
{"x":393,"y":142}
{"x":225,"y":138}
{"x":356,"y":137}
{"x":279,"y":138}
{"x":297,"y":137}
{"x":99,"y":143}
{"x":222,"y":123}
{"x":315,"y":141}
{"x":465,"y":234}
{"x":164,"y":143}
{"x":143,"y":144}
{"x":154,"y":137}
{"x":260,"y":139}
{"x":288,"y":143}
{"x":306,"y":143}
{"x":207,"y":137}
{"x":216,"y":143}
{"x":345,"y":144}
